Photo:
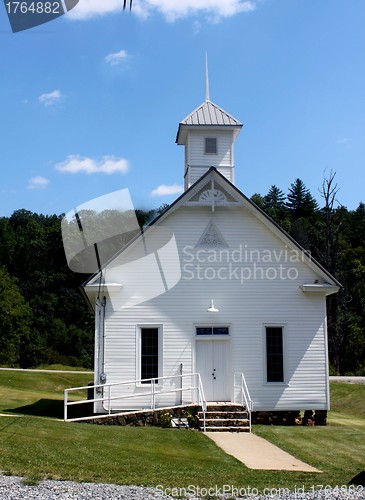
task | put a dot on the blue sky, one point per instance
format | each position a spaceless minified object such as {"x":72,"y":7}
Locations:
{"x":90,"y":102}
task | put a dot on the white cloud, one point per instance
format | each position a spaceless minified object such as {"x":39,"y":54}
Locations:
{"x":170,"y":9}
{"x":75,"y":164}
{"x":91,"y":8}
{"x":38,"y":183}
{"x":164,"y":190}
{"x":50,"y":98}
{"x":116,"y":58}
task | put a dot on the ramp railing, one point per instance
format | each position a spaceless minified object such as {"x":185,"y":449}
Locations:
{"x":153,"y":388}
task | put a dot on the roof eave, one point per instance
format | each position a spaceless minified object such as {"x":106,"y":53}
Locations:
{"x":184,"y":127}
{"x":319,"y":288}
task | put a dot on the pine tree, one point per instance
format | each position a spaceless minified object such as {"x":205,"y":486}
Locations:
{"x":258,"y":200}
{"x":275,"y":206}
{"x":275,"y":199}
{"x":300,"y":202}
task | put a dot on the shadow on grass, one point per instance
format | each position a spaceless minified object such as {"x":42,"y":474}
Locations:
{"x":53,"y":408}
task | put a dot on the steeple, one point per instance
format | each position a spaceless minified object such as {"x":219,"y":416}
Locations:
{"x":206,"y":79}
{"x":208,"y":134}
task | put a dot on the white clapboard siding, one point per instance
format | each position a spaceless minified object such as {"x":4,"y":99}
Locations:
{"x":247,"y":301}
{"x":194,"y":173}
{"x":196,"y":154}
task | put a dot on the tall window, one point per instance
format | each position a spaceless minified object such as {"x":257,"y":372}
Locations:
{"x":274,"y":354}
{"x":210,"y":145}
{"x":149,"y":353}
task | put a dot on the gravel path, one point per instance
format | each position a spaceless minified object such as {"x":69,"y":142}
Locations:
{"x":13,"y":488}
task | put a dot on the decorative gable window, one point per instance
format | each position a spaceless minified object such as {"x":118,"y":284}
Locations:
{"x":274,"y":354}
{"x":210,"y":145}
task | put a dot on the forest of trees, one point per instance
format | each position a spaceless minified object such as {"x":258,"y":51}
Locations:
{"x":45,"y":320}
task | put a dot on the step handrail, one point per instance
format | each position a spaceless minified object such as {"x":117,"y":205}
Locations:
{"x":202,"y":400}
{"x":245,"y":395}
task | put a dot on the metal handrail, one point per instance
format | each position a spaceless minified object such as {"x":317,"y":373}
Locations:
{"x":152,"y":392}
{"x":202,"y":399}
{"x":245,"y":396}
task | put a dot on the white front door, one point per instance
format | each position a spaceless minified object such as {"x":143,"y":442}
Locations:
{"x":212,"y":362}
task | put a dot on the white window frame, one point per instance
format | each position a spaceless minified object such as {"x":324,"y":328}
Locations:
{"x":283,"y":327}
{"x":139,"y":329}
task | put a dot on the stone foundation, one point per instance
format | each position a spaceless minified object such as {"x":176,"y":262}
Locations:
{"x":158,"y":418}
{"x":309,"y":417}
{"x":190,"y":414}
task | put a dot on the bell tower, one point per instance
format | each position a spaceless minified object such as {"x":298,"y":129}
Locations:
{"x":208,"y":135}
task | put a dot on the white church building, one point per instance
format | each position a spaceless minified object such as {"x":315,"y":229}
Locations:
{"x":213,"y":300}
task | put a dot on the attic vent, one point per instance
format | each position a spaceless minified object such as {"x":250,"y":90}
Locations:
{"x":210,"y":145}
{"x":212,"y":237}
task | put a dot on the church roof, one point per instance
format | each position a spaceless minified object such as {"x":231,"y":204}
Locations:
{"x":207,"y":114}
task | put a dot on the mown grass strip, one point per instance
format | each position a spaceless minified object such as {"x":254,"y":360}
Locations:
{"x":40,"y":448}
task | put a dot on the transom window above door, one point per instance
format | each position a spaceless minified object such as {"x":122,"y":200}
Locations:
{"x":212,"y":330}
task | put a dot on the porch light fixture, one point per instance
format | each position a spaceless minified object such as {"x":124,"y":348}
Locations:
{"x":212,"y":309}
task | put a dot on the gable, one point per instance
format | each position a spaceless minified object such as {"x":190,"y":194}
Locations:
{"x":211,"y":193}
{"x":215,"y":213}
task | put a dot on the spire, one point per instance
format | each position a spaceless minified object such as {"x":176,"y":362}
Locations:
{"x":207,"y":98}
{"x":211,"y":131}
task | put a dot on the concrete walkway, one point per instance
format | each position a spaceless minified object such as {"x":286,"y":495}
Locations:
{"x":347,"y":380}
{"x":34,"y":370}
{"x":257,"y":453}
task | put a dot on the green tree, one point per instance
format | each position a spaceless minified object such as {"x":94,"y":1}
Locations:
{"x":303,"y":216}
{"x":16,"y":319}
{"x":32,"y":250}
{"x":275,"y":206}
{"x":258,"y":200}
{"x":275,"y":199}
{"x":300,"y":201}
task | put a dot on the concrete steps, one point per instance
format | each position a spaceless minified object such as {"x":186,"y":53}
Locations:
{"x":225,"y":418}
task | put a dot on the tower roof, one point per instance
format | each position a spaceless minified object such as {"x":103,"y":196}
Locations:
{"x":207,"y":114}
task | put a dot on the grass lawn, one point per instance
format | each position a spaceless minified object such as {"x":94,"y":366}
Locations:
{"x":42,"y":447}
{"x":38,"y":393}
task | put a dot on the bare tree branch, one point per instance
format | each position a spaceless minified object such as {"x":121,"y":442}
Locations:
{"x":332,"y":224}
